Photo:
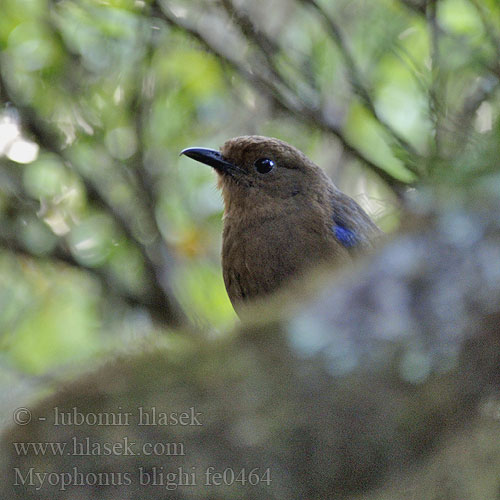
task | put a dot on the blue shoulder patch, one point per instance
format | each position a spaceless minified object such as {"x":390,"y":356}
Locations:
{"x":345,"y":236}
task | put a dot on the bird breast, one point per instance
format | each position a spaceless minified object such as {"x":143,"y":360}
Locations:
{"x":259,"y":255}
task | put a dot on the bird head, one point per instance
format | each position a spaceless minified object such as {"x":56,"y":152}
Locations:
{"x":254,"y":170}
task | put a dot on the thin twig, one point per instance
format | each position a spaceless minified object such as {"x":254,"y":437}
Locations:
{"x":489,"y":27}
{"x":360,"y":88}
{"x":435,"y":91}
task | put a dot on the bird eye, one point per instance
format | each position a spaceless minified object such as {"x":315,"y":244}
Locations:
{"x":264,"y":165}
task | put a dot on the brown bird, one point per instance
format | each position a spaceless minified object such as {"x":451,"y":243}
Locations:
{"x":282,"y":216}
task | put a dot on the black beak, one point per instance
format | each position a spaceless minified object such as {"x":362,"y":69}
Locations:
{"x":214,"y":159}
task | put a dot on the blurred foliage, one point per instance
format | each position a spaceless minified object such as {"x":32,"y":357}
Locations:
{"x":99,"y":218}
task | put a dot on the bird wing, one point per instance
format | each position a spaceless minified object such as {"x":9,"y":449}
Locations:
{"x":352,"y":226}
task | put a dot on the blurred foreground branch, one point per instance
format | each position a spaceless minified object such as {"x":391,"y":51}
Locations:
{"x":396,"y":363}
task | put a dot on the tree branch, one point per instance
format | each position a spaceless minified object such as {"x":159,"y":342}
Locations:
{"x":360,"y":88}
{"x":48,"y":139}
{"x":149,"y":301}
